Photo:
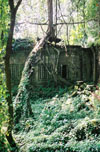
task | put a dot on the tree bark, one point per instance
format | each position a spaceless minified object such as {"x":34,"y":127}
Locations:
{"x":9,"y":137}
{"x":50,"y":18}
{"x":8,"y":84}
{"x":24,"y":86}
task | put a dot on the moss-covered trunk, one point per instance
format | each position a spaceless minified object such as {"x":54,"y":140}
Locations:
{"x":22,"y":99}
{"x":9,"y":137}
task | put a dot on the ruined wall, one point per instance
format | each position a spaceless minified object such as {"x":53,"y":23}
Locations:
{"x":17,"y":62}
{"x":75,"y":63}
{"x":79,"y":63}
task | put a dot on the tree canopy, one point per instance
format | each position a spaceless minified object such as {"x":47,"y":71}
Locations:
{"x":79,"y":18}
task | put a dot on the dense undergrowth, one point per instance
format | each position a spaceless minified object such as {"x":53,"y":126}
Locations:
{"x":66,"y":119}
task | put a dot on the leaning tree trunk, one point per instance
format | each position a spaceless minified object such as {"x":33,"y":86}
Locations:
{"x":24,"y":88}
{"x":23,"y":106}
{"x":22,"y":98}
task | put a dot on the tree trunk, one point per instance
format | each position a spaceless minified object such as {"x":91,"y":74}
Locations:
{"x":50,"y":18}
{"x":22,"y":97}
{"x":9,"y":137}
{"x":8,"y":85}
{"x":24,"y":86}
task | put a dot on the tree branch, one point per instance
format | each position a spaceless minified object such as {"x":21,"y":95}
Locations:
{"x":60,"y":23}
{"x":18,"y":4}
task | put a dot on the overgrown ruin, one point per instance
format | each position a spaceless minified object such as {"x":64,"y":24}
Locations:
{"x":73,"y":63}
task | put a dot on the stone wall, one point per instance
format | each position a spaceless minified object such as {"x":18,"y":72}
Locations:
{"x":17,"y":62}
{"x":79,"y":63}
{"x":75,"y":63}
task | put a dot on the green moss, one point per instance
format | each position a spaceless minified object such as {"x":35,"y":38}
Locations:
{"x":23,"y":44}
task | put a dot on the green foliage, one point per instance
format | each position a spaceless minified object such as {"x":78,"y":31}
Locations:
{"x":4,"y":20}
{"x":3,"y":146}
{"x":3,"y":112}
{"x":77,"y":35}
{"x":93,"y":30}
{"x":95,"y":99}
{"x":47,"y":92}
{"x":93,"y":7}
{"x":87,"y":33}
{"x":65,"y":121}
{"x":3,"y":95}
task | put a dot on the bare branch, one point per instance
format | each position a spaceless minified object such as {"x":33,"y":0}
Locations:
{"x":18,"y":4}
{"x":59,"y":23}
{"x":42,"y":29}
